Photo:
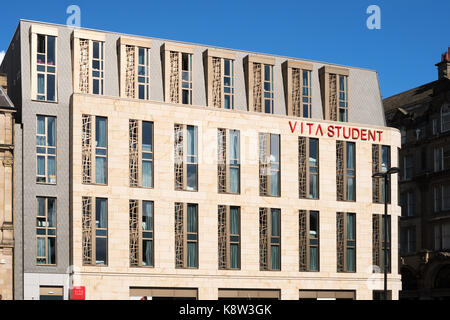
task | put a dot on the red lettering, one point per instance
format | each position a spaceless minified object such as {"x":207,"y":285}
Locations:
{"x":353,"y":133}
{"x":349,"y":132}
{"x":372,"y":135}
{"x":363,"y":134}
{"x":309,"y":124}
{"x":379,"y":134}
{"x":338,"y":130}
{"x":331,"y":131}
{"x":292,"y":129}
{"x":301,"y":127}
{"x":319,"y":128}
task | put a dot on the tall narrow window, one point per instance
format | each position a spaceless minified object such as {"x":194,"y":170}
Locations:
{"x":270,"y":238}
{"x":345,"y":171}
{"x":100,"y":150}
{"x":46,"y":67}
{"x":260,"y":85}
{"x":186,"y":78}
{"x":95,"y":231}
{"x":343,"y":98}
{"x":228,"y":157}
{"x":334,"y":91}
{"x":97,"y":67}
{"x":228,"y":83}
{"x":408,"y":240}
{"x":186,"y":163}
{"x":46,"y":149}
{"x":141,"y":233}
{"x":141,"y":153}
{"x":381,"y":247}
{"x":143,"y":73}
{"x":186,"y":235}
{"x":381,"y":162}
{"x":297,"y":83}
{"x":445,"y":118}
{"x":100,"y":145}
{"x":308,"y":167}
{"x":309,"y":240}
{"x":46,"y":231}
{"x":269,"y":164}
{"x":408,"y":167}
{"x":229,"y":232}
{"x":442,"y":236}
{"x":346,"y":241}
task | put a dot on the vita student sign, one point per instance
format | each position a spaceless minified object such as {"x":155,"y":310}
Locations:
{"x":336,"y":131}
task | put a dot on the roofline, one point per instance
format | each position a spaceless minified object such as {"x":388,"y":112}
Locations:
{"x":397,"y":94}
{"x":195,"y":44}
{"x":7,"y":99}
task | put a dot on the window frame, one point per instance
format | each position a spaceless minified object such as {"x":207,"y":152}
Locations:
{"x":305,"y":171}
{"x":377,"y":166}
{"x":224,"y":214}
{"x":139,"y":205}
{"x":136,"y":153}
{"x":183,"y":156}
{"x":89,"y":148}
{"x":445,"y":118}
{"x":185,"y":235}
{"x":224,"y":161}
{"x":378,"y":246}
{"x":345,"y":171}
{"x":46,"y":236}
{"x":266,"y":163}
{"x":306,"y":242}
{"x":270,"y":240}
{"x":344,"y":267}
{"x":92,"y":229}
{"x":46,"y":154}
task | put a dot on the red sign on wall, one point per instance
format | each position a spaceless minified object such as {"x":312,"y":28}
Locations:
{"x":78,"y":293}
{"x":338,"y":131}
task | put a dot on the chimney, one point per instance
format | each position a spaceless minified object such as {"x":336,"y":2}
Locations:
{"x":444,"y":65}
{"x":4,"y":82}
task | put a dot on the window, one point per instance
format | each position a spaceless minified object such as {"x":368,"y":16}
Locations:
{"x":445,"y":118}
{"x":308,"y":168}
{"x":95,"y":231}
{"x":45,"y":67}
{"x":186,"y":78}
{"x":408,"y":240}
{"x":309,"y":240}
{"x":46,"y":231}
{"x":408,"y":167}
{"x":334,"y":87}
{"x":260,"y":83}
{"x":141,"y":234}
{"x":228,"y":83}
{"x":269,"y":239}
{"x":46,"y":150}
{"x":381,"y":162}
{"x":186,"y":164}
{"x":345,"y":171}
{"x":434,"y":126}
{"x":442,"y":236}
{"x":89,"y":62}
{"x":97,"y":67}
{"x":269,"y":164}
{"x":297,"y":81}
{"x":100,"y":165}
{"x":186,"y":235}
{"x":442,"y":158}
{"x":141,"y":153}
{"x":228,"y":157}
{"x":346,"y":242}
{"x":441,"y":197}
{"x":403,"y":135}
{"x":381,"y":247}
{"x":229,"y":237}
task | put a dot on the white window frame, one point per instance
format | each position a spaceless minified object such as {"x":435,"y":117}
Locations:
{"x":36,"y":30}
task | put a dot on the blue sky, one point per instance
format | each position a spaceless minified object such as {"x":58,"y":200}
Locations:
{"x":412,"y":37}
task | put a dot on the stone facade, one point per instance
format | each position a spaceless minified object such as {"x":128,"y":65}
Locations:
{"x":6,"y":193}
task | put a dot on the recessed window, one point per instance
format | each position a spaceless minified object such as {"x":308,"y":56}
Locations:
{"x":270,"y":239}
{"x":229,"y":232}
{"x":94,"y":149}
{"x":228,"y":153}
{"x":186,"y":163}
{"x":346,"y":171}
{"x":46,"y":67}
{"x":346,"y":242}
{"x":95,"y":231}
{"x":141,"y":233}
{"x":309,"y":240}
{"x":141,"y":153}
{"x":186,"y":235}
{"x":46,"y":150}
{"x":308,"y":167}
{"x":46,"y":231}
{"x":269,"y":164}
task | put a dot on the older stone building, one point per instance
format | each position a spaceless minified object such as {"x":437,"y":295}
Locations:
{"x":165,"y":169}
{"x":423,"y":116}
{"x":6,"y":192}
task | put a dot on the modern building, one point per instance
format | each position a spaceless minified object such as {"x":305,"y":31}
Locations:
{"x":423,"y":116}
{"x":6,"y":192}
{"x":163,"y":169}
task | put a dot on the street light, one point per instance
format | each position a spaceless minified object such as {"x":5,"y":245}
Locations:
{"x":385,"y":175}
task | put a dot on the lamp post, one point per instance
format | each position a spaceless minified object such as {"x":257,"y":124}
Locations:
{"x":385,"y":175}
